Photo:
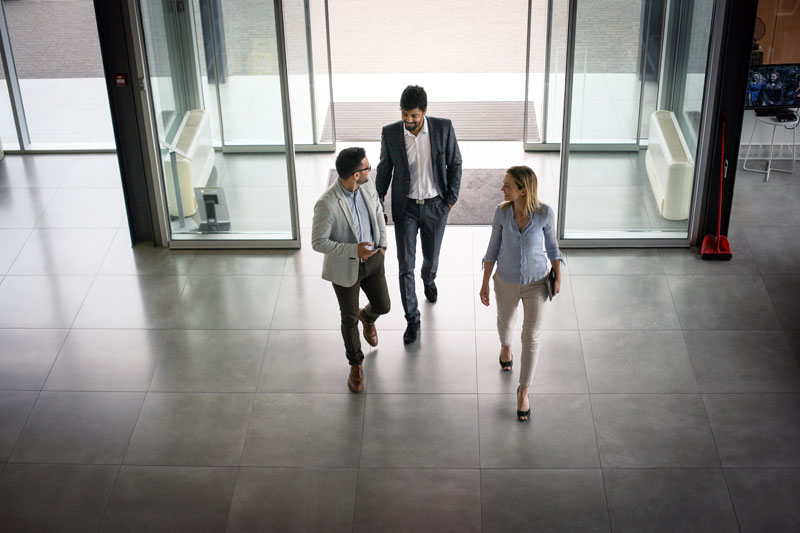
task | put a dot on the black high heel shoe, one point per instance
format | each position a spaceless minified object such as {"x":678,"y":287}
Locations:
{"x":505,"y":365}
{"x":520,"y":414}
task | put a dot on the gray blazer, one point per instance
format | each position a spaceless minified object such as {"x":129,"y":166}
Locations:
{"x":393,"y":166}
{"x":334,"y":232}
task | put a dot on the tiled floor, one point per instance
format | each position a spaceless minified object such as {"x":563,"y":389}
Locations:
{"x":155,"y":390}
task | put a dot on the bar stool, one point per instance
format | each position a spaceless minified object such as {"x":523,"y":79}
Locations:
{"x":772,"y":121}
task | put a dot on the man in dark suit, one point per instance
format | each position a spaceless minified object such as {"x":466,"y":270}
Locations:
{"x":421,"y":161}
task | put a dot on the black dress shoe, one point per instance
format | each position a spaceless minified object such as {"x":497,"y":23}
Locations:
{"x":431,"y":293}
{"x":411,"y":333}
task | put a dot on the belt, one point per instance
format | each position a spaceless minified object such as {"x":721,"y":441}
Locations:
{"x":423,"y":201}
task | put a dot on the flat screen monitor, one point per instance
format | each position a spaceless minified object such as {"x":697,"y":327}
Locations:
{"x":773,"y":87}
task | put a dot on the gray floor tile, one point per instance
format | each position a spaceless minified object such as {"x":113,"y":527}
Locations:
{"x":84,"y":208}
{"x":35,"y":171}
{"x":653,"y":431}
{"x":723,"y":302}
{"x":227,"y":302}
{"x":771,"y":206}
{"x":36,"y":302}
{"x":605,"y":208}
{"x":560,"y":368}
{"x":682,"y":261}
{"x":66,"y":252}
{"x":14,"y":409}
{"x":602,"y":170}
{"x":454,"y":310}
{"x":78,"y":427}
{"x":439,"y":362}
{"x":765,"y":499}
{"x":54,"y":497}
{"x":239,"y":262}
{"x":309,"y":302}
{"x":559,"y":434}
{"x":306,"y":261}
{"x":106,"y":360}
{"x":418,"y":500}
{"x":543,"y":500}
{"x":455,"y":257}
{"x":669,"y":500}
{"x":559,"y":313}
{"x":190,"y":430}
{"x":11,"y":242}
{"x":293,"y":499}
{"x":743,"y":361}
{"x":309,"y":430}
{"x":624,"y":302}
{"x":210,"y":361}
{"x":776,"y":250}
{"x":163,"y":498}
{"x":794,"y":339}
{"x":26,"y":356}
{"x":144,"y":259}
{"x":756,"y":430}
{"x":785,"y":294}
{"x":614,"y":261}
{"x":94,"y":170}
{"x":307,"y":361}
{"x":420,"y":431}
{"x":637,"y":361}
{"x":134,"y":302}
{"x":22,"y":208}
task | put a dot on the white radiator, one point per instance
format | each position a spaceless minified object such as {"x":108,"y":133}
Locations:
{"x":670,"y":166}
{"x":194,"y":139}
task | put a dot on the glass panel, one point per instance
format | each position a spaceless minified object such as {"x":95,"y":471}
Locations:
{"x":8,"y":131}
{"x":547,"y":64}
{"x":220,"y":196}
{"x":60,"y":70}
{"x":252,"y":113}
{"x":641,"y":194}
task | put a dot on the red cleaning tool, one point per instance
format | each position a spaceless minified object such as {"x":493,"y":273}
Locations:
{"x":717,"y":246}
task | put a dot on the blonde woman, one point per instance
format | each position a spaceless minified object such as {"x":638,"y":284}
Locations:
{"x":523,"y":239}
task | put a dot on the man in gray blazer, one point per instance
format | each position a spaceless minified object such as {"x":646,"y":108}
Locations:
{"x":421,"y":161}
{"x":350,"y":230}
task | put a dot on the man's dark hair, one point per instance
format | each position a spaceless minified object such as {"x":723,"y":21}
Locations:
{"x":349,"y":160}
{"x":413,"y":97}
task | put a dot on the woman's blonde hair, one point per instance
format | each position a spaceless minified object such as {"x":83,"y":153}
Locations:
{"x":525,"y":178}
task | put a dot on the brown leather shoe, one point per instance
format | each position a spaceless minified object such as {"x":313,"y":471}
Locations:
{"x":370,"y":333}
{"x":356,"y":380}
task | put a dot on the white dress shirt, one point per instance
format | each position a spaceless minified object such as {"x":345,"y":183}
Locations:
{"x":418,"y":150}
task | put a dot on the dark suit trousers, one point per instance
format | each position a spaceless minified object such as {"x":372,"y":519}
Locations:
{"x":429,"y":219}
{"x":372,"y":280}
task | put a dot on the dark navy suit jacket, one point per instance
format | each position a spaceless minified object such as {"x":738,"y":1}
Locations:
{"x":393,"y":166}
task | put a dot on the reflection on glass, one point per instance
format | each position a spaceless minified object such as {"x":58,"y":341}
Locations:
{"x":8,"y":133}
{"x":546,"y":66}
{"x":60,"y":70}
{"x":642,"y":194}
{"x":214,"y":196}
{"x":238,"y":62}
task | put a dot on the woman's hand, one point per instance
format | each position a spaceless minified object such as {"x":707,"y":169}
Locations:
{"x":558,"y":286}
{"x":484,"y":294}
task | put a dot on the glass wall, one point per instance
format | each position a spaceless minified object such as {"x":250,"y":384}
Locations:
{"x":628,"y":168}
{"x":60,"y":71}
{"x":8,"y":131}
{"x":236,"y":198}
{"x":237,"y":45}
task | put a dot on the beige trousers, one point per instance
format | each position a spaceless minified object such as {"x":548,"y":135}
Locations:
{"x":533,"y":296}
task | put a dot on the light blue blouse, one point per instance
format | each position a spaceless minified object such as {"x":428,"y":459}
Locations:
{"x":520,"y":255}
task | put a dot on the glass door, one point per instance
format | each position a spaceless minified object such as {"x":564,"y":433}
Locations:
{"x":632,"y":114}
{"x":214,"y":199}
{"x":241,"y":83}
